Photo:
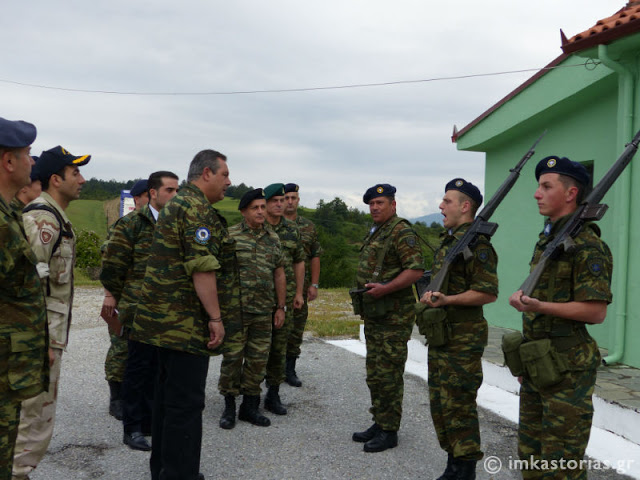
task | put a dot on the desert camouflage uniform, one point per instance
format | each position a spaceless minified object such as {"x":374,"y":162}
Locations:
{"x":455,"y":369}
{"x":293,"y":252}
{"x":246,"y":349}
{"x":312,"y":249}
{"x":555,"y":422}
{"x":37,"y":417}
{"x":24,"y":364}
{"x":387,"y":336}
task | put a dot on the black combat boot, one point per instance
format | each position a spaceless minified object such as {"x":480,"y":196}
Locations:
{"x":228,"y":418}
{"x":383,"y":440}
{"x":367,"y":435}
{"x":249,"y":411}
{"x":115,"y":400}
{"x":290,"y":372}
{"x":449,"y":473}
{"x":464,"y":469}
{"x":272,"y":401}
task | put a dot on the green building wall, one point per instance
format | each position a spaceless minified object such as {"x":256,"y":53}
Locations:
{"x":581,"y":110}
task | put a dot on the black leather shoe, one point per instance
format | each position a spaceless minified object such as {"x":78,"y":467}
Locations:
{"x":367,"y":435}
{"x":383,"y":440}
{"x":136,"y":441}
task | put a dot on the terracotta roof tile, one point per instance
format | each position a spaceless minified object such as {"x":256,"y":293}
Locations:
{"x":625,"y":21}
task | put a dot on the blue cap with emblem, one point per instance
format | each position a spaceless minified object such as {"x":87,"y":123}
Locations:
{"x":16,"y":133}
{"x":379,"y":190}
{"x":56,"y":158}
{"x":291,"y":187}
{"x":468,"y":188}
{"x":138,"y":188}
{"x":563,"y":166}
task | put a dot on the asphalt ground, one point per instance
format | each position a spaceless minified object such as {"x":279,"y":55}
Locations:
{"x":312,"y":442}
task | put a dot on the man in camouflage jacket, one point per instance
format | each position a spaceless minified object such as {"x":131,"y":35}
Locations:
{"x":24,"y":361}
{"x":390,"y":263}
{"x":52,"y":239}
{"x":573,"y":292}
{"x":123,"y":266}
{"x":262,"y":286}
{"x":190,"y":286}
{"x":455,"y":367}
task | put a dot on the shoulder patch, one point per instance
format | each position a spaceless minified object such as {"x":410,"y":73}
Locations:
{"x":411,"y":241}
{"x":482,"y":254}
{"x":46,"y":234}
{"x":202,"y":235}
{"x":596,"y":266}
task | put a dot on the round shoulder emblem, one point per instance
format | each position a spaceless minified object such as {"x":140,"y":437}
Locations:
{"x":379,"y":189}
{"x":202,"y":235}
{"x":459,"y":183}
{"x":551,"y":163}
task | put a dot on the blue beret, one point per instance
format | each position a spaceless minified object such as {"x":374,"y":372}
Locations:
{"x":274,"y":190}
{"x":35,"y":171}
{"x":55,"y":159}
{"x":138,"y":188}
{"x":16,"y":133}
{"x":249,"y":197}
{"x":379,"y":190}
{"x":563,"y":166}
{"x":291,"y":187}
{"x":469,"y":189}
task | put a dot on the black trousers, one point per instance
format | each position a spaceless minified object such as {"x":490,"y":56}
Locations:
{"x":138,"y":386}
{"x":177,"y":415}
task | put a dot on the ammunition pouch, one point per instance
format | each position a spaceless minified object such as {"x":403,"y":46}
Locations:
{"x":544,"y":365}
{"x":356,"y":300}
{"x":374,"y":308}
{"x":433,"y":324}
{"x":511,"y":350}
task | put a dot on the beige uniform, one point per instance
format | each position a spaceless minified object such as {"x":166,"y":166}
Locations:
{"x":37,"y":416}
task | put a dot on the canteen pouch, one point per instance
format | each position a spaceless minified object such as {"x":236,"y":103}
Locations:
{"x":356,"y":300}
{"x":543,"y":364}
{"x":372,"y":308}
{"x":433,"y":324}
{"x":511,"y":350}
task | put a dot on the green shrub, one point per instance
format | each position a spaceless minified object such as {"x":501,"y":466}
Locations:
{"x":87,"y":249}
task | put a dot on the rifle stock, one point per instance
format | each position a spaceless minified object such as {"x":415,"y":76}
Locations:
{"x":587,"y":211}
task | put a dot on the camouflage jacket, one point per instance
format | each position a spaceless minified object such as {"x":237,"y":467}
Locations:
{"x":259,"y":254}
{"x":43,"y":231}
{"x":24,"y":365}
{"x":403,"y":254}
{"x":310,"y":244}
{"x":583,"y":274}
{"x":125,"y":259}
{"x":17,"y":205}
{"x":190,"y":236}
{"x":479,"y":272}
{"x":292,"y":249}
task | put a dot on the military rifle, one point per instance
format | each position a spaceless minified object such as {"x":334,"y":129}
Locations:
{"x":480,"y":226}
{"x":589,"y":210}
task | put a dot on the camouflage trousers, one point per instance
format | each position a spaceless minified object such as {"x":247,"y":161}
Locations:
{"x":116,"y":361}
{"x":455,"y":375}
{"x":37,"y":418}
{"x":297,"y":330}
{"x":278,"y":350}
{"x":9,"y":419}
{"x":386,"y":356}
{"x":244,"y":361}
{"x":555,"y":423}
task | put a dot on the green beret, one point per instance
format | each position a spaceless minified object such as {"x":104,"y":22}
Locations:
{"x":274,"y":190}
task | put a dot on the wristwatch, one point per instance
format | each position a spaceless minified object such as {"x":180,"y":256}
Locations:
{"x":315,"y":285}
{"x":282,"y":307}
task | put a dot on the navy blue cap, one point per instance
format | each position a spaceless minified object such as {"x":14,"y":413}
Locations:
{"x":274,"y":190}
{"x":138,"y":188}
{"x":469,"y":189}
{"x":563,"y":166}
{"x":55,"y":159}
{"x":16,"y":133}
{"x":250,"y":196}
{"x":35,"y":170}
{"x":291,"y":187}
{"x":379,"y":190}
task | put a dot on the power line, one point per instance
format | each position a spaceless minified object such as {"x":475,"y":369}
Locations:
{"x":589,"y":64}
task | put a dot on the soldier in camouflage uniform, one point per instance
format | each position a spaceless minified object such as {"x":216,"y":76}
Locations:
{"x":390,"y":263}
{"x":52,"y":239}
{"x":116,"y":361}
{"x":123,"y":267}
{"x":573,"y":291}
{"x":24,"y":365}
{"x":455,"y":368}
{"x":190,"y":287}
{"x":293,"y":252}
{"x":30,"y":192}
{"x":261,"y":267}
{"x":312,"y":250}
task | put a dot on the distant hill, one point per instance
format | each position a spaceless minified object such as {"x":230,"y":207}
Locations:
{"x":428,"y":219}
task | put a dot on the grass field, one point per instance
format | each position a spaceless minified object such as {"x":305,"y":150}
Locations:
{"x":88,"y":215}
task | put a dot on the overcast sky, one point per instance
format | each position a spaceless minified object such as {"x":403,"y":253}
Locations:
{"x":334,"y":143}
